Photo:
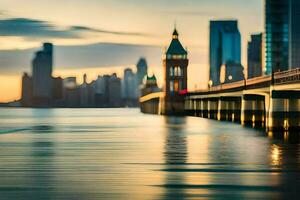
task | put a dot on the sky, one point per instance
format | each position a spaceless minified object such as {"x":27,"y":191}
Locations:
{"x":104,"y":36}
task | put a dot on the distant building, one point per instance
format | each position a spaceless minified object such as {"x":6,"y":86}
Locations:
{"x":114,"y":91}
{"x":142,"y":69}
{"x":26,"y":90}
{"x":255,"y":56}
{"x":175,"y":70}
{"x":106,"y":90}
{"x":100,"y":92}
{"x":129,"y":88}
{"x":57,"y":92}
{"x":70,"y":92}
{"x":42,"y":65}
{"x":231,"y":72}
{"x":225,"y":46}
{"x":84,"y":93}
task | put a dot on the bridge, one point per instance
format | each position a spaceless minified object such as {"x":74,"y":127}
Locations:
{"x":271,"y":102}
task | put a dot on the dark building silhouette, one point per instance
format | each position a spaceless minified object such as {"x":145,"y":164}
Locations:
{"x":92,"y":93}
{"x":26,"y":90}
{"x":106,"y":90}
{"x":84,"y":93}
{"x":225,"y":46}
{"x":175,"y":71}
{"x":97,"y":92}
{"x":70,"y":92}
{"x":114,"y":91}
{"x":130,"y":88}
{"x":57,"y":100}
{"x":42,"y":65}
{"x":282,"y":38}
{"x":255,"y":56}
{"x":142,"y":69}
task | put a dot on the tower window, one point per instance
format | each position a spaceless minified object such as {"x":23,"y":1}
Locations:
{"x":172,"y":71}
{"x":178,"y":71}
{"x":172,"y":86}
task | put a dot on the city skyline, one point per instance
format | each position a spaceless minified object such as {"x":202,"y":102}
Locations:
{"x":124,"y":31}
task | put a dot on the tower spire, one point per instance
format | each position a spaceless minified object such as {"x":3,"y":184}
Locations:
{"x":175,"y":33}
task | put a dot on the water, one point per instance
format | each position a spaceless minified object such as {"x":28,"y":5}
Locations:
{"x":123,"y":154}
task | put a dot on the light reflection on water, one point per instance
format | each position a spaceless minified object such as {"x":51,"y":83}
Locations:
{"x":123,"y":154}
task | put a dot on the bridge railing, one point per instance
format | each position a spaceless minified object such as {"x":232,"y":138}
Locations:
{"x":287,"y":76}
{"x":262,"y":81}
{"x":257,"y":80}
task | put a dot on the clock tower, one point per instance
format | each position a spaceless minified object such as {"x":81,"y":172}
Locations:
{"x":175,"y":71}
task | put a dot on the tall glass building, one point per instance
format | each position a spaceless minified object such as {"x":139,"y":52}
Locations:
{"x":225,"y":47}
{"x":42,"y":65}
{"x":254,"y":58}
{"x":282,"y":35}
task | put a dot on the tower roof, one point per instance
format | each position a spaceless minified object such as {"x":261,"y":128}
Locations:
{"x":176,"y":47}
{"x":175,"y":33}
{"x":151,"y":78}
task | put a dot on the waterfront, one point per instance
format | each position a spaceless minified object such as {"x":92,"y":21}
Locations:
{"x":123,"y":154}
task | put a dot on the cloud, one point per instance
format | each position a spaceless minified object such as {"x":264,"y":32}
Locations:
{"x":81,"y":56}
{"x":33,"y":28}
{"x":84,"y":28}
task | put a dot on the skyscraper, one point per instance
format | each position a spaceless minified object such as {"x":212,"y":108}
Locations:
{"x":42,"y":75}
{"x":225,"y":46}
{"x":57,"y":91}
{"x":114,"y":91}
{"x":129,"y":86}
{"x":142,"y":69}
{"x":84,"y":93}
{"x":26,"y":90}
{"x":255,"y":56}
{"x":282,"y":38}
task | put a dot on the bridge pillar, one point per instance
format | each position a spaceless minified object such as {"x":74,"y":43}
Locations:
{"x":204,"y":108}
{"x":284,"y":112}
{"x":253,"y":110}
{"x":198,"y":112}
{"x":229,"y":109}
{"x":189,"y":106}
{"x":213,"y":108}
{"x":194,"y":107}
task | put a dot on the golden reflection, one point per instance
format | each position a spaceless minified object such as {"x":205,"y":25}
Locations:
{"x":270,"y":134}
{"x":253,"y":121}
{"x":276,"y":155}
{"x":286,"y":136}
{"x":286,"y":124}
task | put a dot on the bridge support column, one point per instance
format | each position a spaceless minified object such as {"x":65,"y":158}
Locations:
{"x":194,"y":107}
{"x":204,"y":108}
{"x":284,"y":112}
{"x":229,"y":109}
{"x":213,"y":108}
{"x":199,"y":108}
{"x":253,"y":110}
{"x":223,"y":109}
